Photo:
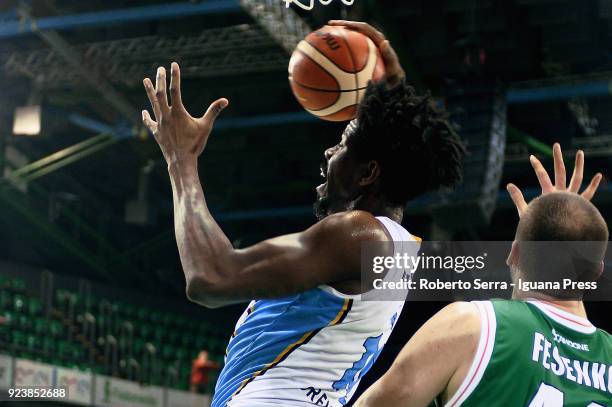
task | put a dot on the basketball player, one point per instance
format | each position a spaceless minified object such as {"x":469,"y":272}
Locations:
{"x":537,"y":350}
{"x":307,"y":339}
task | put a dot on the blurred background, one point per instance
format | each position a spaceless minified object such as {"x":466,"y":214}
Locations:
{"x":89,"y":269}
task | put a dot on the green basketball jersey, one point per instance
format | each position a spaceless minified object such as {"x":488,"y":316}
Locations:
{"x":532,"y":354}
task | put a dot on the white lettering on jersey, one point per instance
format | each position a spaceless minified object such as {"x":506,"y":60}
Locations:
{"x":585,"y":373}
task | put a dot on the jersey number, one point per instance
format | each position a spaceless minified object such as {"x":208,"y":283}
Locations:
{"x":352,"y":375}
{"x":549,"y":396}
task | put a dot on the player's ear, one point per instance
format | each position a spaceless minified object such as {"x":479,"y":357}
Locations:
{"x":513,"y":257}
{"x":370,"y":173}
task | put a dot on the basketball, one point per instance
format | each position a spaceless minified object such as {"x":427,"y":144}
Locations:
{"x":330,"y":69}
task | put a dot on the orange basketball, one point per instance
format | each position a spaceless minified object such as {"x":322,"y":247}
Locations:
{"x":330,"y":70}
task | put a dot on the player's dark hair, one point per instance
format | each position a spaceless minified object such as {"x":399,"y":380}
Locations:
{"x":412,"y":141}
{"x":561,"y":236}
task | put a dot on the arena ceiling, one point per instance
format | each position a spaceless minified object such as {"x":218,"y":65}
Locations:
{"x":85,"y":67}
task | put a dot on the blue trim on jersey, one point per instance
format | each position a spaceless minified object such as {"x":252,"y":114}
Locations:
{"x":272,"y":327}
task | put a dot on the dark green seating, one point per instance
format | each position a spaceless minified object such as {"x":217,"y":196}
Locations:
{"x":167,"y":318}
{"x":4,"y":281}
{"x":23,"y":322}
{"x":144,"y":330}
{"x":138,"y":346}
{"x":169,"y":352}
{"x":181,"y":353}
{"x":19,"y":303}
{"x":174,"y":337}
{"x":6,"y":300}
{"x":56,"y":328}
{"x":18,"y":338}
{"x":32,"y":343}
{"x":16,"y":284}
{"x":39,"y":326}
{"x":142,"y":313}
{"x":34,"y":306}
{"x":187,"y":340}
{"x":160,"y":333}
{"x":48,"y":346}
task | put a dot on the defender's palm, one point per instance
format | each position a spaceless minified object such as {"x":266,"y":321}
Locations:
{"x":560,"y":179}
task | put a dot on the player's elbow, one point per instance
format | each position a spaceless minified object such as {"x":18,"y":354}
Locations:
{"x":203,"y":292}
{"x":389,"y":391}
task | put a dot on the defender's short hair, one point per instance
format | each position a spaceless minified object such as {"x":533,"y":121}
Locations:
{"x":561,"y":236}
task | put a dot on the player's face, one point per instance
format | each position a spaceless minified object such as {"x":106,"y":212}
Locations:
{"x":341,"y":183}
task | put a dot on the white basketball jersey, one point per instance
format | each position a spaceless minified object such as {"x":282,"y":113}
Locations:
{"x":309,"y":349}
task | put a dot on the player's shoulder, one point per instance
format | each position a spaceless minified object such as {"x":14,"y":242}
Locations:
{"x":458,"y":322}
{"x":605,"y":334}
{"x":461,"y":310}
{"x":354,"y":225}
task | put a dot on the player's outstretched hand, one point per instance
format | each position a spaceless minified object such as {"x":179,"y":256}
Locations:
{"x":394,"y":71}
{"x":560,"y":179}
{"x":179,"y":135}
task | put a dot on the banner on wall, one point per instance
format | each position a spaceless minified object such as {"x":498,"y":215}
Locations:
{"x":6,"y":371}
{"x":79,"y":384}
{"x":111,"y":392}
{"x":33,"y":374}
{"x":177,"y":398}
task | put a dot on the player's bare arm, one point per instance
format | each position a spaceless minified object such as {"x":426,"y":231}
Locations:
{"x":432,"y":364}
{"x":215,"y":272}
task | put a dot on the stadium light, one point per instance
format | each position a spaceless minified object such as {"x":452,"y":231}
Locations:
{"x":27,"y":121}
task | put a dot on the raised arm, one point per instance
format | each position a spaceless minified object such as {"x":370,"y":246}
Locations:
{"x":432,"y":364}
{"x":216,"y":273}
{"x":560,"y":184}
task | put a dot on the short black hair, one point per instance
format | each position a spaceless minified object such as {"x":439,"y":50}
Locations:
{"x":413,"y":142}
{"x":561,"y":236}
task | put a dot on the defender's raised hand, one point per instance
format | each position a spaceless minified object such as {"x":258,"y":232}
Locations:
{"x":394,"y":71}
{"x":179,"y":135}
{"x":560,"y":179}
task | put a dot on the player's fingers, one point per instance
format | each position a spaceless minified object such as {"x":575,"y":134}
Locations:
{"x":214,"y":110}
{"x":589,"y":192}
{"x":542,"y":175}
{"x":152,"y":97}
{"x":160,"y":91}
{"x":578,"y":173}
{"x":175,"y":85}
{"x":517,"y":197}
{"x":391,"y":59}
{"x":150,"y":123}
{"x":361,"y":27}
{"x":560,"y":174}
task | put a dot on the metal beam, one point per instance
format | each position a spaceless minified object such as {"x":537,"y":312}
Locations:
{"x":59,"y":155}
{"x":28,"y":25}
{"x":265,"y":120}
{"x":108,"y":136}
{"x":282,"y":23}
{"x":106,"y":90}
{"x":237,"y":49}
{"x":559,"y":92}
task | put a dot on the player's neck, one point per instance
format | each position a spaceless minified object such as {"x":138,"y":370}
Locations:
{"x":575,"y":307}
{"x":379,"y":208}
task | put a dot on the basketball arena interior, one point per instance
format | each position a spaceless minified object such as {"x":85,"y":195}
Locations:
{"x":92,"y":289}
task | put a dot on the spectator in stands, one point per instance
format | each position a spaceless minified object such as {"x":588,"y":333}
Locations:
{"x":200,"y":371}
